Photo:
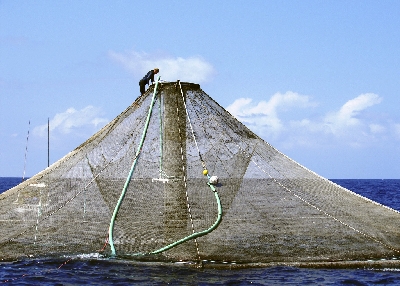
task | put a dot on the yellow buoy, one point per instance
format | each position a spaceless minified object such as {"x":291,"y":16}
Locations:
{"x":205,"y":172}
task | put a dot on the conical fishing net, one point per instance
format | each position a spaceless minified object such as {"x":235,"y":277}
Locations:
{"x":140,"y":188}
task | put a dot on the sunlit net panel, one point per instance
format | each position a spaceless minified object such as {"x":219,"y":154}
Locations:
{"x":283,"y":171}
{"x":274,"y":210}
{"x":138,"y":222}
{"x":62,"y":205}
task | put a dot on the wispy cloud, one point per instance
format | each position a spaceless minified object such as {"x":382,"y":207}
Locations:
{"x":346,"y":117}
{"x":286,"y":118}
{"x":264,"y":115}
{"x":73,"y":120}
{"x":192,"y":69}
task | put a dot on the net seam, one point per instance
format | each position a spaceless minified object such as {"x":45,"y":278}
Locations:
{"x":305,"y":201}
{"x":183,"y":168}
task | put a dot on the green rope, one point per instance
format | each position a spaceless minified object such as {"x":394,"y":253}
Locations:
{"x":128,"y":179}
{"x":219,"y":217}
{"x":196,"y":234}
{"x":192,"y":236}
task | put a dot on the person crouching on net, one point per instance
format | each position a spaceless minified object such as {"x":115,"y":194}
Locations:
{"x":145,"y":80}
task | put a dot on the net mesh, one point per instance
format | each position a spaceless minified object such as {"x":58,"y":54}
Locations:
{"x":273,"y":209}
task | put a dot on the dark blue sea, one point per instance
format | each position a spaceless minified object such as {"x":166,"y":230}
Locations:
{"x":93,"y":271}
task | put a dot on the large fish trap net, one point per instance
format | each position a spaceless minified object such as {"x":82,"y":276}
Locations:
{"x":140,"y":188}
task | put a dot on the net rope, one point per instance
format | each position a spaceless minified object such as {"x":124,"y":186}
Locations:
{"x":183,"y":168}
{"x":250,"y":156}
{"x":61,"y":206}
{"x":275,"y":210}
{"x":194,"y":234}
{"x":128,"y":179}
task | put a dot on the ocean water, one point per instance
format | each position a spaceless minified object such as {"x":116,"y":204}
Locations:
{"x":84,"y":270}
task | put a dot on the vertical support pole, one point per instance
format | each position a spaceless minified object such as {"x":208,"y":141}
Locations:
{"x":174,"y":164}
{"x":48,"y":141}
{"x":160,"y":114}
{"x":26,"y":152}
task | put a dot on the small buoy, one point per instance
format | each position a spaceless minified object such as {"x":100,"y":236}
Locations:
{"x":205,"y":172}
{"x":213,"y":180}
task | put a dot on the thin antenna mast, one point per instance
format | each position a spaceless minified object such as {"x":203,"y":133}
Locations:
{"x":48,"y":141}
{"x":26,"y":150}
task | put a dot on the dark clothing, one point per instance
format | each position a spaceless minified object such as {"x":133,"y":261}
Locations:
{"x":142,"y":85}
{"x":149,"y":76}
{"x":145,"y":80}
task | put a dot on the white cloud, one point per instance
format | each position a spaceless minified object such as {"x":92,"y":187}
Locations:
{"x":285,"y":119}
{"x":192,"y":69}
{"x":377,"y":128}
{"x":71,"y":120}
{"x":263,"y":116}
{"x":346,"y":117}
{"x":344,"y":126}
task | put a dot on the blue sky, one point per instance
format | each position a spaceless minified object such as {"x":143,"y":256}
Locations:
{"x":319,"y":80}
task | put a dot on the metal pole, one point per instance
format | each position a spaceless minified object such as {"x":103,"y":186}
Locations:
{"x":26,"y":150}
{"x":48,"y":142}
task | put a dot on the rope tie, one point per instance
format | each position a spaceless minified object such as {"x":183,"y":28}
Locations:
{"x":194,"y":235}
{"x":302,"y":199}
{"x":183,"y":171}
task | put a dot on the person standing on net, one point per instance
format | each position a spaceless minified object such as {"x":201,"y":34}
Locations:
{"x":145,"y":80}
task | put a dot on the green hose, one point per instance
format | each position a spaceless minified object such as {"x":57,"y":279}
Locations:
{"x":128,"y":179}
{"x":192,"y":236}
{"x":196,"y":234}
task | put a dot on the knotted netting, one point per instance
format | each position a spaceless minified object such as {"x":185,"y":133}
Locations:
{"x":137,"y":189}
